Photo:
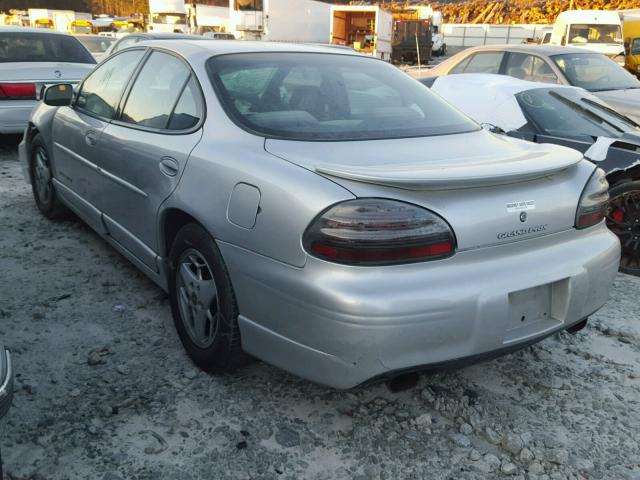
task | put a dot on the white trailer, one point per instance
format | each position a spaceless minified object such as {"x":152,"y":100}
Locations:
{"x":367,"y":29}
{"x":207,"y":18}
{"x":167,"y":16}
{"x":280,"y":20}
{"x":300,"y":21}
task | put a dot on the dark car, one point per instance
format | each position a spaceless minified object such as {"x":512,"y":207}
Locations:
{"x":565,"y":116}
{"x":6,"y":389}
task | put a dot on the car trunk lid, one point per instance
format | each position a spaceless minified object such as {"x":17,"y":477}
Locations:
{"x":491,"y":189}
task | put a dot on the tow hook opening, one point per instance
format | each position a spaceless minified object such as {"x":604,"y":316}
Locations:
{"x":577,"y":327}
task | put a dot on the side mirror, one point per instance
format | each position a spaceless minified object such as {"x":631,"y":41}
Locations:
{"x":59,"y":95}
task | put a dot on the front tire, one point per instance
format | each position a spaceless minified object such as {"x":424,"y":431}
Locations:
{"x":203,"y":303}
{"x":44,"y":193}
{"x":623,"y":219}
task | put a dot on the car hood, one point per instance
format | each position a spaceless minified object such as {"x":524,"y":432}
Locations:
{"x":443,"y":162}
{"x":626,"y":102}
{"x":44,"y":71}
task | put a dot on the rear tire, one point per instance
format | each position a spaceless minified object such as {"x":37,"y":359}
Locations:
{"x":623,"y":219}
{"x":203,"y":304}
{"x":44,"y":192}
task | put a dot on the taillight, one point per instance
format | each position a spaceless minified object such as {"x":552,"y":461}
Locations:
{"x":17,"y":91}
{"x":373,"y":231}
{"x":593,"y":203}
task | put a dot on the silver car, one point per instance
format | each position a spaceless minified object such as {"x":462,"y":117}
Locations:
{"x":31,"y":58}
{"x":321,"y":210}
{"x":553,"y":64}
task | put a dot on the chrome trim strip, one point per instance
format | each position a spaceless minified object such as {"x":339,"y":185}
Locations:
{"x":95,"y":167}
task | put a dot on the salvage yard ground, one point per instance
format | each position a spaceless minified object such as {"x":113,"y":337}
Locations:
{"x":105,"y":391}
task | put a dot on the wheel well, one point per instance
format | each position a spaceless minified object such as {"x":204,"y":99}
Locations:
{"x":623,"y":176}
{"x":174,"y":220}
{"x":32,"y":131}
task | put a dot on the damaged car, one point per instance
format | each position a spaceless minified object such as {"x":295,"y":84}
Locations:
{"x":567,"y":116}
{"x":321,"y":210}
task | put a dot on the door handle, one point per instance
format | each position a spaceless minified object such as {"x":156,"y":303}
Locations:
{"x":169,"y":166}
{"x":90,"y":138}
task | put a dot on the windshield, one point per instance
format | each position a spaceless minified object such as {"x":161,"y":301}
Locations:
{"x":565,"y":112}
{"x":594,"y":72}
{"x":589,"y":33}
{"x":168,"y":18}
{"x":97,"y":44}
{"x":635,"y":46}
{"x":307,"y":96}
{"x":42,"y":47}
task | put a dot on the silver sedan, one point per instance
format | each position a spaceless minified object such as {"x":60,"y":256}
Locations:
{"x":321,"y":210}
{"x":31,"y":58}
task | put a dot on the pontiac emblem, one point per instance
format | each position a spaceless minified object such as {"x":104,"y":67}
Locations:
{"x":523,"y":216}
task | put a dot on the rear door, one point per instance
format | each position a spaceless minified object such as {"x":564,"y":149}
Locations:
{"x":144,"y":151}
{"x":77,"y":130}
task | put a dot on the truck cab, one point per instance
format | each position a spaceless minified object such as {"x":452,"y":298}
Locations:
{"x":597,"y":30}
{"x":81,"y":27}
{"x":631,"y":29}
{"x":44,"y":23}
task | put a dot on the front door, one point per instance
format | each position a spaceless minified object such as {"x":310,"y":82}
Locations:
{"x":77,"y":131}
{"x":145,"y":150}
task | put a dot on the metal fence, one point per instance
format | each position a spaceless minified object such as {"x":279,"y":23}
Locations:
{"x":472,"y":35}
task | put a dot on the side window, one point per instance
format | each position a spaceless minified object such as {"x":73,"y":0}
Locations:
{"x":126,"y":42}
{"x":484,"y":62}
{"x":529,"y":67}
{"x":101,"y":91}
{"x":459,"y":68}
{"x":155,"y":91}
{"x":188,"y":111}
{"x":542,"y":72}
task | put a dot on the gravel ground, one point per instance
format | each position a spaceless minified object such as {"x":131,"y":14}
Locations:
{"x":105,"y":392}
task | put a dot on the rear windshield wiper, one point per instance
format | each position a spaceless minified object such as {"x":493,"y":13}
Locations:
{"x":586,"y":111}
{"x":611,"y":111}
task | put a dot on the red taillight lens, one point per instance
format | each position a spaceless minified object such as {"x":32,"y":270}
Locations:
{"x":18,"y":91}
{"x":592,"y":208}
{"x":374,"y":231}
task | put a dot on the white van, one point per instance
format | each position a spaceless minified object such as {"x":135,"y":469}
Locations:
{"x":597,"y":30}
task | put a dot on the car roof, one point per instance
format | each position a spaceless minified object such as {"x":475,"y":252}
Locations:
{"x":167,"y":36}
{"x":546,"y":49}
{"x":188,"y":48}
{"x":12,"y":29}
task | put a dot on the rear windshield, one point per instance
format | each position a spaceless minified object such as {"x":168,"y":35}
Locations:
{"x":42,"y":47}
{"x":309,"y":96}
{"x":572,"y":113}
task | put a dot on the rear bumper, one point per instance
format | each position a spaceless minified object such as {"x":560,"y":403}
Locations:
{"x":6,"y":382}
{"x":341,"y":326}
{"x":14,"y":115}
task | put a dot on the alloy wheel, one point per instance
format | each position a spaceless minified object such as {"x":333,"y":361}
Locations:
{"x":198,"y":298}
{"x":623,"y":219}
